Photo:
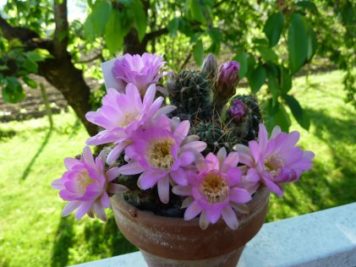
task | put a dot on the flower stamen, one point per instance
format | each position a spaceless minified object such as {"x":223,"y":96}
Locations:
{"x":214,"y":188}
{"x":160,"y":155}
{"x":273,"y":163}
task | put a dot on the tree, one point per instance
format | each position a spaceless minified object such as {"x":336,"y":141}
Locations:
{"x":272,"y":41}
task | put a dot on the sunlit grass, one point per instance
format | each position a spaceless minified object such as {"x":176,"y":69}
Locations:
{"x":32,"y":233}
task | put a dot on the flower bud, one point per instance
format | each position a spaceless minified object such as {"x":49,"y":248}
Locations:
{"x":210,"y":67}
{"x":238,"y":110}
{"x":227,"y":79}
{"x":228,"y":75}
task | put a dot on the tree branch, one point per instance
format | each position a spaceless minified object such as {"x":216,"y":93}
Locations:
{"x":10,"y":32}
{"x":154,"y":34}
{"x":61,"y":31}
{"x":30,"y":40}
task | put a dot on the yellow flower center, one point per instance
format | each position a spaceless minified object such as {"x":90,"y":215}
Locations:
{"x":83,"y":180}
{"x":127,"y":118}
{"x":160,"y":155}
{"x":214,"y":188}
{"x":273,"y":163}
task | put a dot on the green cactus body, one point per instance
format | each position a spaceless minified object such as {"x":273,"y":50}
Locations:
{"x":246,"y":129}
{"x":191,"y":93}
{"x":215,"y":134}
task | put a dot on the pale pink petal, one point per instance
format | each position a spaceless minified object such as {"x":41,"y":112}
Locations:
{"x":99,"y":211}
{"x":186,"y":202}
{"x":115,"y":152}
{"x":131,"y":168}
{"x":273,"y":187}
{"x":262,"y":136}
{"x":186,"y":158}
{"x":203,"y":221}
{"x":198,"y":146}
{"x":70,"y":206}
{"x":231,"y":160}
{"x":88,"y":157}
{"x":105,"y":200}
{"x":230,"y":218}
{"x":192,"y":211}
{"x":179,"y":176}
{"x":182,"y":190}
{"x":113,"y":173}
{"x":70,"y":162}
{"x":58,"y":184}
{"x":181,"y":131}
{"x":149,"y":95}
{"x":221,"y":155}
{"x":83,"y":208}
{"x":148,"y":179}
{"x":276,"y":131}
{"x":163,"y":190}
{"x":239,"y":195}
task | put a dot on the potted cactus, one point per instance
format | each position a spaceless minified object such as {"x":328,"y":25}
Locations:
{"x":188,"y":181}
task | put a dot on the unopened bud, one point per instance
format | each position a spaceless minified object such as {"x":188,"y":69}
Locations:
{"x":238,"y":110}
{"x":210,"y":67}
{"x":226,"y":82}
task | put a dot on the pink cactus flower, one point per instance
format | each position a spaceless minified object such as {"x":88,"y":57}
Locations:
{"x":142,"y":71}
{"x":123,"y":113}
{"x":85,"y":185}
{"x":276,"y":160}
{"x":161,"y":156}
{"x":213,"y":191}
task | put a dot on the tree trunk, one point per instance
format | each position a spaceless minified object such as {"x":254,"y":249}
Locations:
{"x":132,"y":43}
{"x":62,"y":74}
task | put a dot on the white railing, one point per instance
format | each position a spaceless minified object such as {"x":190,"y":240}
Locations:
{"x":321,"y":239}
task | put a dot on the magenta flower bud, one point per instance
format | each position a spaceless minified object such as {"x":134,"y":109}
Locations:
{"x":227,"y":79}
{"x":238,"y":110}
{"x":228,"y":75}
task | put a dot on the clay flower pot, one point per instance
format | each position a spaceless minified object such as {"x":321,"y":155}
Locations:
{"x":173,"y":242}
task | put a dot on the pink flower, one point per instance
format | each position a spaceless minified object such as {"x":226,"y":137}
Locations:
{"x":213,"y":190}
{"x":123,"y":113}
{"x":85,"y":185}
{"x":139,"y":70}
{"x":276,"y":160}
{"x":161,"y":154}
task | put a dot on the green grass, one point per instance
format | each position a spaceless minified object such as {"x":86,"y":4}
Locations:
{"x":32,"y":232}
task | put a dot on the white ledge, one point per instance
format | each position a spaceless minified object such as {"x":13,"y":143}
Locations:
{"x":320,"y":239}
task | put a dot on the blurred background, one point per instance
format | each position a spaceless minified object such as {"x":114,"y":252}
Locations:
{"x":297,"y":57}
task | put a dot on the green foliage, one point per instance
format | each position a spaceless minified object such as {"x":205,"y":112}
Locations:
{"x":273,"y":28}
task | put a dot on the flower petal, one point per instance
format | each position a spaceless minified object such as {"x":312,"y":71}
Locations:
{"x":192,"y":211}
{"x":163,"y":190}
{"x":72,"y":205}
{"x":239,"y":195}
{"x":115,"y":152}
{"x":230,"y":218}
{"x":148,"y":179}
{"x":179,"y":176}
{"x":131,"y":168}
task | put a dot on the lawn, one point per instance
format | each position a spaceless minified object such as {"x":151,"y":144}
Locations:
{"x":32,"y":232}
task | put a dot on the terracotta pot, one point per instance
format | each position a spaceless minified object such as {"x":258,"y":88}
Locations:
{"x":173,"y":242}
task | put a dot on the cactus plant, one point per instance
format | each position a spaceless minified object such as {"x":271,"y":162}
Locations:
{"x":244,"y":117}
{"x":191,"y":93}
